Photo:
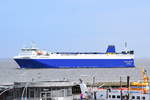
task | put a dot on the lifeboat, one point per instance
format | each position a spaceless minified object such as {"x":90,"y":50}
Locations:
{"x":139,"y":84}
{"x":39,"y":52}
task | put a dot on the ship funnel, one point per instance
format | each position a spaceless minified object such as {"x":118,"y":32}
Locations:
{"x":111,"y":49}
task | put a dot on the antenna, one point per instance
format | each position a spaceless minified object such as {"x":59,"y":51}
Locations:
{"x":33,"y":44}
{"x":125,"y":46}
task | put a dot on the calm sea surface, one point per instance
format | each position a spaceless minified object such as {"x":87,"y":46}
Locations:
{"x":10,"y":72}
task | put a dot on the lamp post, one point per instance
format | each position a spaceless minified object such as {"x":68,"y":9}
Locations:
{"x":121,"y":88}
{"x":128,"y":86}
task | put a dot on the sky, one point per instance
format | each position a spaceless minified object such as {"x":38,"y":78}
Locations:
{"x":75,"y":25}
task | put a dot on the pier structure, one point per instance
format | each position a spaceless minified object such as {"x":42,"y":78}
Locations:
{"x":42,"y":90}
{"x":48,"y":90}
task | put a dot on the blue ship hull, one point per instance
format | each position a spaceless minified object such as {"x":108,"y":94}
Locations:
{"x":75,"y":63}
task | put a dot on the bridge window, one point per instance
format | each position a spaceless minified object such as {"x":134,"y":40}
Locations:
{"x":123,"y":97}
{"x":133,"y":97}
{"x":109,"y":96}
{"x":113,"y":96}
{"x":143,"y":98}
{"x":138,"y":97}
{"x":118,"y":96}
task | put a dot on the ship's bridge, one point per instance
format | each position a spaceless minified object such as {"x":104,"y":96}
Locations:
{"x":28,"y":51}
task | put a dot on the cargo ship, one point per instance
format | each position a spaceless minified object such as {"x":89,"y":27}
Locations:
{"x":35,"y":58}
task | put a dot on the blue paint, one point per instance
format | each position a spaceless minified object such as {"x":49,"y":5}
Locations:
{"x":75,"y":63}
